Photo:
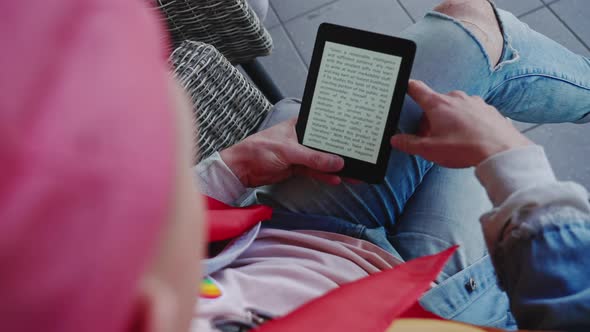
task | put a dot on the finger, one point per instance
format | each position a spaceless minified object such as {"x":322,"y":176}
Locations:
{"x":410,"y":144}
{"x":422,"y":94}
{"x":352,"y":181}
{"x":458,"y":94}
{"x":424,"y":127}
{"x":315,"y":160}
{"x":330,"y":179}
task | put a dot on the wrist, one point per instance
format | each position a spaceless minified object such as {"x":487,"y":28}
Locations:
{"x":236,"y":159}
{"x":507,"y":172}
{"x":493,"y":148}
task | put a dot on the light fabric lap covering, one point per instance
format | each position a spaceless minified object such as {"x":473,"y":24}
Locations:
{"x":377,"y":302}
{"x":86,"y":154}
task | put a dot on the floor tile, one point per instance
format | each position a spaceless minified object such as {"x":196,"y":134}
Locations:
{"x":272,"y":19}
{"x":548,"y":24}
{"x":418,"y":8}
{"x":576,"y":14}
{"x":284,"y":65}
{"x":384,"y":16}
{"x":288,"y":9}
{"x":568,"y":148}
{"x":518,"y":7}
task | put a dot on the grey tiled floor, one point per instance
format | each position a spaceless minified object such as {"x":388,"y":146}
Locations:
{"x":293,"y":25}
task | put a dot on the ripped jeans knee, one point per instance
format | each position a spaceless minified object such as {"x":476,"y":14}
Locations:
{"x":480,"y":18}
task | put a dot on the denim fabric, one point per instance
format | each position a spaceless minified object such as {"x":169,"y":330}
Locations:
{"x":544,"y":269}
{"x":422,"y":208}
{"x":538,"y":80}
{"x":483,"y":304}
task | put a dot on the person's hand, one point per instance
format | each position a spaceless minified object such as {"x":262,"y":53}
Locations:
{"x":274,"y":155}
{"x":457,"y":130}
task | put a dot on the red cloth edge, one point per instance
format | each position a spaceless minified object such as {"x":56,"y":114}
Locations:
{"x":370,"y":304}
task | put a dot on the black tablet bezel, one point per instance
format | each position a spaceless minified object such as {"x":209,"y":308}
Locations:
{"x":406,"y":49}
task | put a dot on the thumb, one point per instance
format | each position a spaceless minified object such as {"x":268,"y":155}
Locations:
{"x":410,"y":144}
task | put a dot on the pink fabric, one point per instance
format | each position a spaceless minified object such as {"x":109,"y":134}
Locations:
{"x":86,"y":160}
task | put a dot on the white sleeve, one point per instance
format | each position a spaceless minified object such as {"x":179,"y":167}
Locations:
{"x":520,"y":183}
{"x":216,"y":180}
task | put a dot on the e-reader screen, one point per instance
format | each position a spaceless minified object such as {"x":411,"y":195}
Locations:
{"x":351,"y":101}
{"x":353,"y":98}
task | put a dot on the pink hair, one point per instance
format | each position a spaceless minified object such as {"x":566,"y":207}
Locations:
{"x":86,"y":160}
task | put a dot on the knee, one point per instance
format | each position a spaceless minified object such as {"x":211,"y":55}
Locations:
{"x":480,"y":19}
{"x":479,"y":10}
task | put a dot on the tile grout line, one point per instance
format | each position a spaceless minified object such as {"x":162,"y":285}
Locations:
{"x":271,"y":8}
{"x":532,"y":11}
{"x":292,"y":40}
{"x":307,"y":11}
{"x":568,"y":27}
{"x":399,"y":2}
{"x":289,"y":37}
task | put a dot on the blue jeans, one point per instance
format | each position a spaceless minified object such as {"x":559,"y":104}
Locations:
{"x":421,"y":208}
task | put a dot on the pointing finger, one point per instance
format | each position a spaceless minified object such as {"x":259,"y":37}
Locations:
{"x":410,"y":144}
{"x":422,"y":94}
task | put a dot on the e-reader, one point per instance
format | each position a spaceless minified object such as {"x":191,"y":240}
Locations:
{"x":353,"y":97}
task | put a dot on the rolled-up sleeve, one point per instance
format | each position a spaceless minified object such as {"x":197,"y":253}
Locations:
{"x":539,"y":237}
{"x":215,"y":179}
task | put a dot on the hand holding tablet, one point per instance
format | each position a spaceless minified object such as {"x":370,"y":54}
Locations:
{"x":355,"y":90}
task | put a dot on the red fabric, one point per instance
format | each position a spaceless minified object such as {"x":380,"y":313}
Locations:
{"x":227,"y":222}
{"x":370,"y":304}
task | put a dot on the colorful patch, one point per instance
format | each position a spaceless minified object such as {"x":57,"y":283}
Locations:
{"x":210,"y":289}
